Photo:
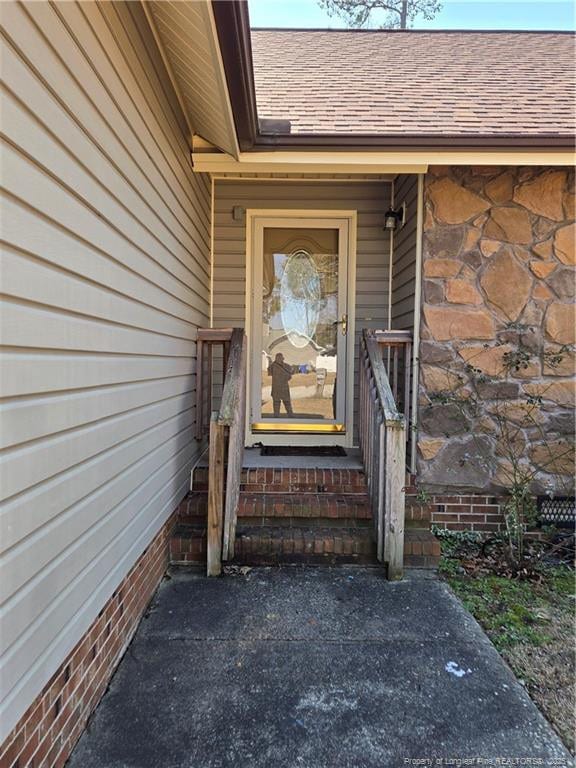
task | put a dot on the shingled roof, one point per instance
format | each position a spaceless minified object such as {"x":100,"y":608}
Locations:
{"x":415,"y":83}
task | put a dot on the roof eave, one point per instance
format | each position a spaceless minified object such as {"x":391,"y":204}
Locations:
{"x":233,"y":29}
{"x":540,"y":142}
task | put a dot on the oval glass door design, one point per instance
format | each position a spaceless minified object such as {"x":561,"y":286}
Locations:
{"x":299,"y":333}
{"x":301,"y":297}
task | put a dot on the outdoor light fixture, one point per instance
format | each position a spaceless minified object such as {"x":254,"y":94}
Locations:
{"x":395,"y":219}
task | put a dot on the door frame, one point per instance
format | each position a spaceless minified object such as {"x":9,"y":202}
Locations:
{"x":318,"y":438}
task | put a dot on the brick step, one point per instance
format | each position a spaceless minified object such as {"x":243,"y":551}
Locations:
{"x":273,"y":545}
{"x":195,"y":503}
{"x":305,"y":505}
{"x":355,"y":506}
{"x":188,"y":544}
{"x":417,"y":518}
{"x":193,"y":520}
{"x":416,"y":515}
{"x":309,"y":522}
{"x":421,"y":549}
{"x":417,"y":525}
{"x":266,"y":480}
{"x":286,"y":522}
{"x":268,"y":545}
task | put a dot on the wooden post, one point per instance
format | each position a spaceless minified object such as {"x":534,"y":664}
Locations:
{"x":215,"y":498}
{"x":199,"y":388}
{"x":209,"y":393}
{"x":395,"y":374}
{"x":225,"y":351}
{"x":394,"y":497}
{"x":407,"y":378}
{"x":383,"y":446}
{"x":233,"y":411}
{"x":381,"y":530}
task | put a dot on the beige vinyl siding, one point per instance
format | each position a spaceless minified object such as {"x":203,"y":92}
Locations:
{"x":105,"y":278}
{"x":404,"y":276}
{"x":369,"y":199}
{"x":404,"y":256}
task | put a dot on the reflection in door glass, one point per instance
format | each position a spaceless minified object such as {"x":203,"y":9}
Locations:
{"x":299,"y":324}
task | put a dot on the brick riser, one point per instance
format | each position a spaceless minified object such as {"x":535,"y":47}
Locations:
{"x":305,"y":505}
{"x":275,"y":545}
{"x":287,"y":509}
{"x":349,"y":481}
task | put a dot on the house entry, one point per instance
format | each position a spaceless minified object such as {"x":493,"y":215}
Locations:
{"x":300,"y":326}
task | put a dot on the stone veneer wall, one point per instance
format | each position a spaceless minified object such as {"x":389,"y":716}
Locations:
{"x":498,"y":264}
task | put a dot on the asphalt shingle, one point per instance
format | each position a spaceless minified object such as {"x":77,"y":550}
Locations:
{"x":416,"y":83}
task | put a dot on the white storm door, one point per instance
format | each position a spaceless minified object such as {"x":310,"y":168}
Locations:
{"x":299,"y":325}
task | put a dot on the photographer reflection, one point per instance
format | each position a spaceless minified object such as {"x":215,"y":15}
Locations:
{"x":281,"y":374}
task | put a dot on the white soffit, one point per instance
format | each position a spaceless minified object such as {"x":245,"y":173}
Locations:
{"x":186,"y":34}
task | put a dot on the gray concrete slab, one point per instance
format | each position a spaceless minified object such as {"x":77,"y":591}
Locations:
{"x":253,"y":459}
{"x":312,"y":668}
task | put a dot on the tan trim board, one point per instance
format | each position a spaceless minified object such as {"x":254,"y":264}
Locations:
{"x":391,"y":259}
{"x":307,"y":162}
{"x":385,"y":178}
{"x":370,"y":162}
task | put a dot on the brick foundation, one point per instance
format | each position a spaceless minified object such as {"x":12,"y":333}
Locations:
{"x":49,"y":729}
{"x":470,"y":512}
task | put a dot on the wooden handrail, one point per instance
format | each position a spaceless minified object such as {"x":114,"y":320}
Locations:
{"x":215,"y":523}
{"x":233,"y":416}
{"x":396,"y":350}
{"x":383,"y":390}
{"x":226,"y":453}
{"x":232,"y":378}
{"x":382,"y":432}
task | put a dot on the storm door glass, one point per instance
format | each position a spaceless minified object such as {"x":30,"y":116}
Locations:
{"x":301,"y":326}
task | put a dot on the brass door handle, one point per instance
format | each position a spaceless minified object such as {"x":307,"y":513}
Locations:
{"x":344,"y":323}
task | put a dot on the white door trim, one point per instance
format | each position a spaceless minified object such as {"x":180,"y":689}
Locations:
{"x":336,"y":215}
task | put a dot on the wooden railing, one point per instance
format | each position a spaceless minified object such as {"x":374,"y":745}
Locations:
{"x":382,"y":434}
{"x":225,"y":456}
{"x":212,"y":349}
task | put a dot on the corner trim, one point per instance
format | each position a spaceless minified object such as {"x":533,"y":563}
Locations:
{"x":413,"y":426}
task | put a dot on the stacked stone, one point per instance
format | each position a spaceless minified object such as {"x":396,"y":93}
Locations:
{"x":498,"y":265}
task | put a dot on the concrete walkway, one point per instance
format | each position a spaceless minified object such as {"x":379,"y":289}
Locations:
{"x":312,"y":668}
